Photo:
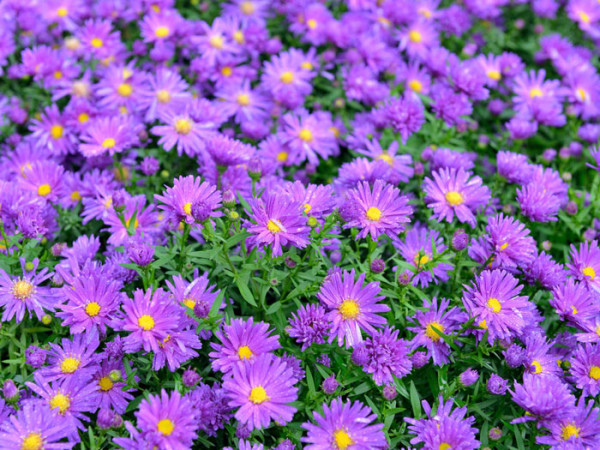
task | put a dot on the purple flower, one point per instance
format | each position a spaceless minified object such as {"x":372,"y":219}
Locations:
{"x":344,"y":425}
{"x":387,"y":356}
{"x":584,"y":264}
{"x":352,"y":306}
{"x":404,"y":115}
{"x":514,"y":167}
{"x":210,"y":406}
{"x":400,"y":163}
{"x":73,"y":358}
{"x":378,"y":210}
{"x":468,"y":377}
{"x":241,"y":341}
{"x":581,"y":429}
{"x":497,"y":385}
{"x":262,"y":391}
{"x":585,"y":368}
{"x":330,"y":385}
{"x":450,"y":106}
{"x":452,"y":192}
{"x":574,"y":302}
{"x":309,"y":136}
{"x":537,"y":203}
{"x":308,"y":325}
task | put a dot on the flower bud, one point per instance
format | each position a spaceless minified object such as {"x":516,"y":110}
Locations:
{"x":460,"y":240}
{"x":377,"y":265}
{"x":330,"y":385}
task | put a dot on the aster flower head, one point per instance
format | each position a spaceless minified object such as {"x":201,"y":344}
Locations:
{"x":22,"y":294}
{"x":108,"y":135}
{"x":584,"y":264}
{"x":277,"y":221}
{"x":400,"y":163}
{"x":188,"y":192}
{"x":111,"y":389}
{"x":44,"y":179}
{"x":574,"y":302}
{"x":379,"y":209}
{"x":192,"y":294}
{"x":417,"y":38}
{"x":514,"y":167}
{"x":211,"y":407}
{"x":73,"y":358}
{"x":308,"y":325}
{"x":494,"y":300}
{"x":537,"y":203}
{"x":242,"y":341}
{"x":352,"y":306}
{"x":344,"y":425}
{"x":387,"y":356}
{"x":454,"y":192}
{"x":404,"y":115}
{"x":579,"y":430}
{"x":285,"y":78}
{"x":585,"y":369}
{"x":263,"y":391}
{"x":429,"y":325}
{"x":166,"y":420}
{"x":180,"y":130}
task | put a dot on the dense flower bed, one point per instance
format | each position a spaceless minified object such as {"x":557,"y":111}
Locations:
{"x":283,"y":224}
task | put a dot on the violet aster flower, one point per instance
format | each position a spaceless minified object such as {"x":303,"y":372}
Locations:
{"x":45,"y":179}
{"x":400,"y":163}
{"x":24,"y":294}
{"x":404,"y":115}
{"x":537,"y":203}
{"x":545,"y":270}
{"x":263,"y":392}
{"x":429,"y":325}
{"x":514,"y":167}
{"x":580,"y":430}
{"x":418,"y":250}
{"x":72,"y":358}
{"x":417,"y":38}
{"x":183,"y":131}
{"x":226,"y":151}
{"x":187,"y":192}
{"x":545,"y":399}
{"x":108,"y":135}
{"x":468,"y":377}
{"x":449,"y":105}
{"x":210,"y":406}
{"x":149,"y":318}
{"x":378,"y":210}
{"x":196,"y":292}
{"x":308,"y":325}
{"x":445,"y":428}
{"x":68,"y":401}
{"x":177,"y":348}
{"x":278,"y":221}
{"x":452,"y":192}
{"x":352,"y":306}
{"x":112,"y":394}
{"x":494,"y":300}
{"x":387,"y":356}
{"x":447,"y":158}
{"x":144,"y":220}
{"x":241,"y":341}
{"x":166,"y":91}
{"x":285,"y":78}
{"x":167,"y":420}
{"x":585,"y":369}
{"x":318,"y":200}
{"x":90,"y":305}
{"x":496,"y":385}
{"x":34,"y":426}
{"x":344,"y":425}
{"x":361,"y":169}
{"x":574,"y":302}
{"x":584,"y":264}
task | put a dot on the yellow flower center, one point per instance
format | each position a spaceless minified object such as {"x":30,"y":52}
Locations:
{"x":425,"y":12}
{"x":415,"y":85}
{"x":595,"y":372}
{"x":161,"y":32}
{"x":503,"y":246}
{"x":342,"y":439}
{"x":274,"y":226}
{"x":187,"y":208}
{"x":216,"y":42}
{"x":387,"y":158}
{"x":183,"y":126}
{"x":306,"y":135}
{"x":189,"y":302}
{"x":585,"y":18}
{"x":33,"y":441}
{"x":238,"y":37}
{"x":69,"y":365}
{"x":56,"y":131}
{"x":58,"y":75}
{"x":244,"y":352}
{"x":124,"y":89}
{"x":105,"y":384}
{"x":287,"y":77}
{"x":83,"y":117}
{"x":589,"y":272}
{"x":44,"y":190}
{"x":483,"y":324}
{"x":311,"y":23}
{"x":22,"y":289}
{"x":75,"y":196}
{"x":454,"y":198}
{"x":494,"y":304}
{"x":373,"y":214}
{"x":431,"y":333}
{"x":535,"y":92}
{"x":568,"y":431}
{"x":97,"y":43}
{"x":163,"y":96}
{"x":421,"y":260}
{"x":136,"y":223}
{"x":146,"y":322}
{"x":60,"y":401}
{"x":62,"y":12}
{"x":258,"y":395}
{"x":247,"y":8}
{"x":306,"y":65}
{"x":494,"y":74}
{"x":307,"y":208}
{"x":581,"y":94}
{"x":538,"y":367}
{"x":92,"y":309}
{"x":108,"y":143}
{"x":243,"y":99}
{"x":165,"y":427}
{"x":415,"y":36}
{"x":444,"y":446}
{"x":349,"y":309}
{"x":282,"y":156}
{"x":226,"y":71}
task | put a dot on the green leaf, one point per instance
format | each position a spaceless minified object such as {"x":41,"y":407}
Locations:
{"x":245,"y":291}
{"x":414,"y":400}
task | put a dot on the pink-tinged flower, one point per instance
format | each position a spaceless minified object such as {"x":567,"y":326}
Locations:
{"x":45,"y":179}
{"x":378,"y":210}
{"x":51,"y":131}
{"x":431,"y":324}
{"x":318,"y":200}
{"x":584,"y":264}
{"x":165,"y":91}
{"x":387,"y":356}
{"x":214,"y":44}
{"x":416,"y":79}
{"x":574,"y":302}
{"x":195,"y":294}
{"x":95,"y":39}
{"x":277,"y":221}
{"x":343,"y":426}
{"x":494,"y":300}
{"x":242,"y":341}
{"x":418,"y":250}
{"x":585,"y":12}
{"x":159,"y":27}
{"x":112,"y":394}
{"x":167,"y":421}
{"x":72,"y":358}
{"x":309,"y":135}
{"x":263,"y":392}
{"x":138,"y":219}
{"x":150,"y":317}
{"x":120,"y":88}
{"x":108,"y":135}
{"x":244,"y":104}
{"x":399,"y":163}
{"x":540,"y":359}
{"x":491,"y":66}
{"x":352,"y":306}
{"x":24,"y":293}
{"x":452,"y":192}
{"x":585,"y":368}
{"x":191,"y":200}
{"x":183,"y":131}
{"x":248,"y":11}
{"x":581,"y":429}
{"x":530,"y":87}
{"x":285,"y":78}
{"x":583,"y":91}
{"x":416,"y":39}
